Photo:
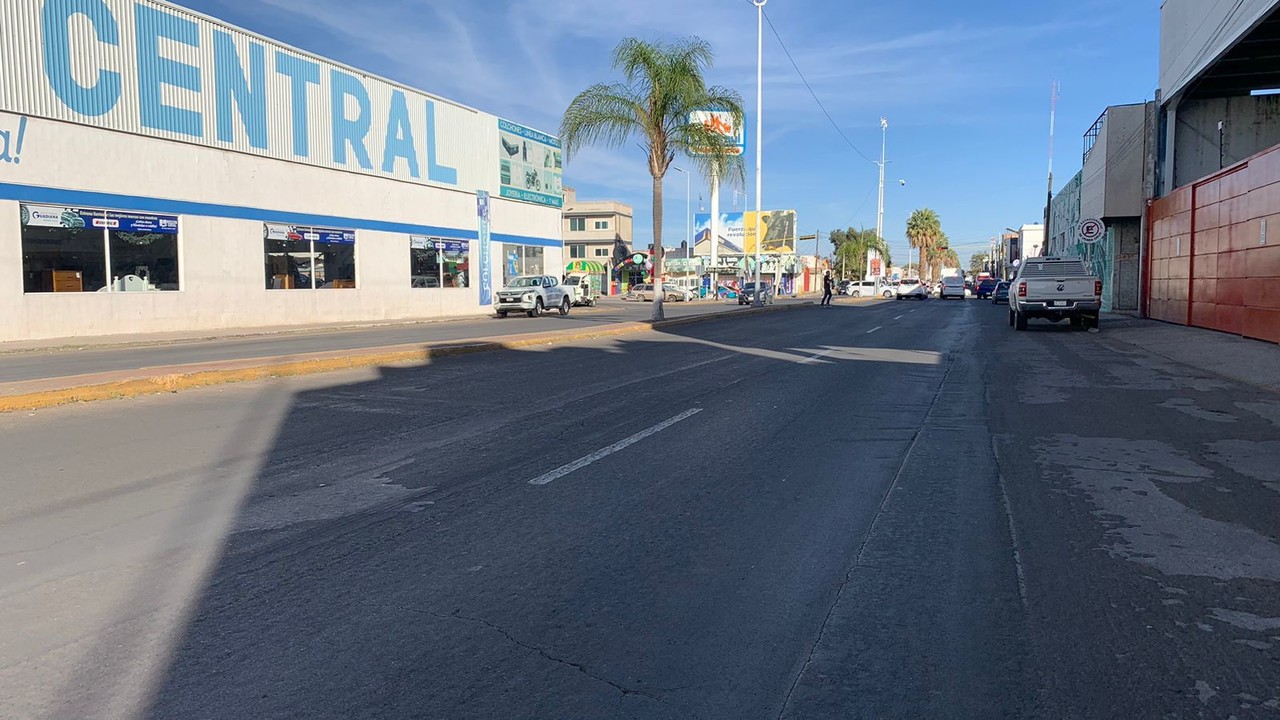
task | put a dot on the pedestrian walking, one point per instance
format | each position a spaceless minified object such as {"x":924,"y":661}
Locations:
{"x":826,"y":289}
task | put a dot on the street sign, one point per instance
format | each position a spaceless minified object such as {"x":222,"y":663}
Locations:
{"x":1091,"y":230}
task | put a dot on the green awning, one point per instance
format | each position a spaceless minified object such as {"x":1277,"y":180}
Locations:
{"x":584,"y":266}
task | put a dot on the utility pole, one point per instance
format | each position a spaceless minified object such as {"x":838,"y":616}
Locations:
{"x":759,"y":132}
{"x":1053,"y":112}
{"x":884,"y":139}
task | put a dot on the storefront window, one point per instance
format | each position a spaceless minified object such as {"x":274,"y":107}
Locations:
{"x":306,"y":258}
{"x":521,"y":260}
{"x":70,"y":250}
{"x":437,"y":262}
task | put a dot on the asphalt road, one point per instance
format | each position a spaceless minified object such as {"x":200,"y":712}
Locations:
{"x":72,"y":360}
{"x":891,"y":510}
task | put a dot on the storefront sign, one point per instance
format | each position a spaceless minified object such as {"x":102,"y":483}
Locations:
{"x":417,"y":242}
{"x":486,"y":249}
{"x":529,"y":165}
{"x":53,"y":216}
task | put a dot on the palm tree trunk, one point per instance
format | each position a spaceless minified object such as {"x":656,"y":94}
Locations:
{"x":658,"y":315}
{"x":923,"y":269}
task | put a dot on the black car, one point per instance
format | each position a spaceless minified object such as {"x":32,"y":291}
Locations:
{"x":1000,"y":294}
{"x":986,"y":287}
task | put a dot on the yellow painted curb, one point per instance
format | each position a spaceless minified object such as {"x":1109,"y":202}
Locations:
{"x":178,"y":381}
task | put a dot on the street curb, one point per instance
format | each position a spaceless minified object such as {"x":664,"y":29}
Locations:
{"x":175,"y":378}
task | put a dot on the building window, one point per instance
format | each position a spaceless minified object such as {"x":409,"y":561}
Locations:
{"x":602,"y":252}
{"x":602,"y":224}
{"x":309,"y":258}
{"x":577,"y":252}
{"x":577,"y":224}
{"x":437,"y":262}
{"x":521,"y":260}
{"x":77,"y":249}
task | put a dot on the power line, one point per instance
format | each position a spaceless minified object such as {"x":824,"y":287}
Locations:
{"x":809,"y":87}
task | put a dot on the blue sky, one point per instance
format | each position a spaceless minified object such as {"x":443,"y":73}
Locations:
{"x":965,"y":87}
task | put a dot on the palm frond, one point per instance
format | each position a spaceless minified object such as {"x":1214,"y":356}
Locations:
{"x":605,"y":114}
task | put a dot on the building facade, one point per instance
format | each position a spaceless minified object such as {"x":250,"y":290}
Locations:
{"x":592,"y":231}
{"x":1211,"y":259}
{"x":163,"y":171}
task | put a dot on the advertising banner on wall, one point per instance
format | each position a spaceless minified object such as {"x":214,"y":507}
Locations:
{"x":778,"y":227}
{"x":65,"y":217}
{"x":731,"y":228}
{"x":486,"y":249}
{"x":301,"y":233}
{"x":529,"y":165}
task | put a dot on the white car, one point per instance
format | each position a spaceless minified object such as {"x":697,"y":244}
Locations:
{"x":952,"y":287}
{"x":532,"y":294}
{"x":867,"y":288}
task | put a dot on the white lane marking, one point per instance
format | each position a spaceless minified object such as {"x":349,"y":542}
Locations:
{"x":873,"y":329}
{"x":605,"y":452}
{"x":898,"y":317}
{"x":819,"y":356}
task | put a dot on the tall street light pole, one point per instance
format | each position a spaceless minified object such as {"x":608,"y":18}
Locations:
{"x":884,"y":139}
{"x":687,"y":190}
{"x":759,"y":132}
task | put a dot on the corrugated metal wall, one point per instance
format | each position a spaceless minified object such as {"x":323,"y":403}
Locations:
{"x":1214,"y":251}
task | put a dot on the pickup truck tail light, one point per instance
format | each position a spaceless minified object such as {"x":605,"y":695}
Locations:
{"x":1097,"y":288}
{"x":1022,"y":289}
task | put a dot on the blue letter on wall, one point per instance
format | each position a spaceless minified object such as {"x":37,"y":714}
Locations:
{"x":105,"y":93}
{"x":250,"y":94}
{"x":301,"y":73}
{"x":436,"y":173}
{"x":155,"y":71}
{"x":347,"y":130}
{"x":399,"y":141}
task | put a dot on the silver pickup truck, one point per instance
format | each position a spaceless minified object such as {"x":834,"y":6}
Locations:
{"x":531,"y":294}
{"x":1055,"y":288}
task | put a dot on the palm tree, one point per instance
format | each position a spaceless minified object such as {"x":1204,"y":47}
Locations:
{"x":853,"y":246}
{"x":924,"y":230}
{"x":664,"y":83}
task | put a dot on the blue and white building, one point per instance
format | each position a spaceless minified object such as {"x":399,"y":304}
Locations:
{"x":162,"y":171}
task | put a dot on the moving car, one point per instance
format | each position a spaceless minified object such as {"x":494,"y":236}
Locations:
{"x":747,"y":295}
{"x":985,"y":287}
{"x":844,"y":287}
{"x":911,"y":289}
{"x":867,"y":288}
{"x":1001,"y":294}
{"x":952,"y":286}
{"x":1058,"y":287}
{"x":532,"y":294}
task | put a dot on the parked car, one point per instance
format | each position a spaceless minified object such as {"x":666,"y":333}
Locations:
{"x":1001,"y":294}
{"x":986,"y":287}
{"x":952,"y":287}
{"x":532,"y":294}
{"x":747,"y":295}
{"x":845,"y":287}
{"x":639,"y":293}
{"x":583,"y":292}
{"x":911,"y":290}
{"x":1055,"y":288}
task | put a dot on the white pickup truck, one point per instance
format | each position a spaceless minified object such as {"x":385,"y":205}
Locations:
{"x":1055,"y":288}
{"x":531,"y":294}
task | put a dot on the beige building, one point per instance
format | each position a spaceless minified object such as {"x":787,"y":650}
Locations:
{"x":590,"y":228}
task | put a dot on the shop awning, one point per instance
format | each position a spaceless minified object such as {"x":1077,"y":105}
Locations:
{"x":585,"y":266}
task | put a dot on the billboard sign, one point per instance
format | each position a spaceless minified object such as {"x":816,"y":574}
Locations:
{"x":529,"y":165}
{"x":731,"y":228}
{"x":720,"y":121}
{"x":483,"y":206}
{"x":778,"y":227}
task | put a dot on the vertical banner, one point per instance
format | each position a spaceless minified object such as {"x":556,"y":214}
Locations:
{"x":485,"y":250}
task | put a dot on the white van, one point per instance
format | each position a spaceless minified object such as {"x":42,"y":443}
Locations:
{"x":952,"y":286}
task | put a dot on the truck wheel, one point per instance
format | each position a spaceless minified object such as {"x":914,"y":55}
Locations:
{"x":564,"y":307}
{"x":1078,"y":322}
{"x":1092,"y":321}
{"x":537,"y":308}
{"x":502,"y":314}
{"x":1010,"y":318}
{"x":1020,"y":322}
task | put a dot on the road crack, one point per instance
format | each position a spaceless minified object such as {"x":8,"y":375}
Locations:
{"x":623,"y":691}
{"x":871,"y":529}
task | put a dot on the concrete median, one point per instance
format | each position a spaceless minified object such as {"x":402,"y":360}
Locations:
{"x":51,"y":392}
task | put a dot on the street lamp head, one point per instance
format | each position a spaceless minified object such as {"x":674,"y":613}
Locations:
{"x":902,"y":182}
{"x":759,"y":3}
{"x":884,"y":123}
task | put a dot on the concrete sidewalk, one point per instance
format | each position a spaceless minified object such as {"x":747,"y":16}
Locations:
{"x":1253,"y":362}
{"x":48,"y":391}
